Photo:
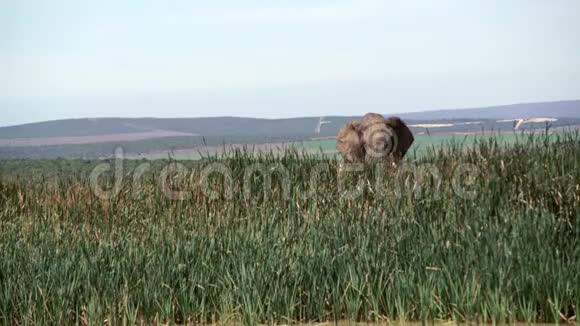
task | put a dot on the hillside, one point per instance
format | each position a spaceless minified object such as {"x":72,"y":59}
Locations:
{"x":562,"y":109}
{"x":235,"y":126}
{"x":97,"y":137}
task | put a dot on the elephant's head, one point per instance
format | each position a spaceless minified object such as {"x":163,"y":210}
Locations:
{"x":374,"y":138}
{"x":349,"y":142}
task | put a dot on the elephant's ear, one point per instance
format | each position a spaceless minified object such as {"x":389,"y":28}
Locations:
{"x":349,"y":142}
{"x":404,"y":136}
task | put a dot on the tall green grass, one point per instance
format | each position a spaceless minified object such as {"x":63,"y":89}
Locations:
{"x":410,"y":247}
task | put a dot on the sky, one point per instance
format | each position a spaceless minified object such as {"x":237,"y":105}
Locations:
{"x":273,"y":59}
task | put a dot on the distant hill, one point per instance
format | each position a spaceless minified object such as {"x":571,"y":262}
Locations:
{"x":234,"y":126}
{"x":562,"y":109}
{"x":97,"y":137}
{"x":219,"y":126}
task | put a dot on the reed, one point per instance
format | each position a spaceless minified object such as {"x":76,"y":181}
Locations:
{"x":491,"y":236}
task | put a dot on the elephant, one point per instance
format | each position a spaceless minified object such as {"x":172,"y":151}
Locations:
{"x":374,"y":138}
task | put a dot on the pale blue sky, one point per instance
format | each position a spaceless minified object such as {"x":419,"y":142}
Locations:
{"x":171,"y":58}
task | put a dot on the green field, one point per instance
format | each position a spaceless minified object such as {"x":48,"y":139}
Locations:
{"x":468,"y":232}
{"x":423,"y":143}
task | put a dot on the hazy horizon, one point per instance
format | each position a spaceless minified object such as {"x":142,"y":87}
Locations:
{"x":278,"y":59}
{"x":169,"y":116}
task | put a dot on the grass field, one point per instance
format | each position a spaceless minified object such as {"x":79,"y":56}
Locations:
{"x":485,"y":231}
